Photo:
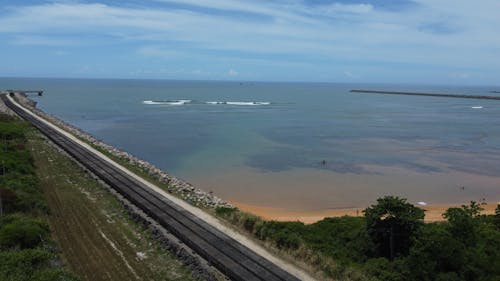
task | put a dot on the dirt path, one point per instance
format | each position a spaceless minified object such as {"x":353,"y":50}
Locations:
{"x":95,"y":235}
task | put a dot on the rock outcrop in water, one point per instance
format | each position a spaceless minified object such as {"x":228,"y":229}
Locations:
{"x":176,"y":186}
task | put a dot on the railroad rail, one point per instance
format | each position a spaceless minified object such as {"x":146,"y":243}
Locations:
{"x":229,"y":256}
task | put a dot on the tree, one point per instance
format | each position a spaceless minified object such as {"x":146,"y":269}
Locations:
{"x":391,"y":225}
{"x":463,"y":224}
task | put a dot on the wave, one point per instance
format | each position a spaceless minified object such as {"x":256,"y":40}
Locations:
{"x":168,"y":102}
{"x":182,"y":102}
{"x":239,"y":102}
{"x":477,"y":107}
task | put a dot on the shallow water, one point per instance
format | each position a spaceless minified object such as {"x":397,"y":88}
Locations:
{"x":265,"y":143}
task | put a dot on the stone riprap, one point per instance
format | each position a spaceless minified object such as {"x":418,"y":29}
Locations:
{"x":184,"y":190}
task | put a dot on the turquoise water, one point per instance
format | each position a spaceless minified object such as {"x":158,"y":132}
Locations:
{"x":272,"y":153}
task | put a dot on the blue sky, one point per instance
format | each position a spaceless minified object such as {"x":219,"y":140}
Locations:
{"x":396,"y":41}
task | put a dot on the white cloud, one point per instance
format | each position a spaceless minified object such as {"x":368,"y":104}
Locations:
{"x":338,"y":8}
{"x":290,"y":32}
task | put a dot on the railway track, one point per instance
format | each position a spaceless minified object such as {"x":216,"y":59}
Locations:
{"x":229,"y":256}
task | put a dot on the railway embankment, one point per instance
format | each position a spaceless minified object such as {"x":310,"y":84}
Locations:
{"x":99,"y":234}
{"x":182,"y":189}
{"x":200,"y":231}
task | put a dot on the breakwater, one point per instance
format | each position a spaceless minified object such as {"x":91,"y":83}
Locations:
{"x":462,"y":96}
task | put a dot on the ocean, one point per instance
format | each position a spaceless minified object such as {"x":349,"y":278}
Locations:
{"x":300,"y":146}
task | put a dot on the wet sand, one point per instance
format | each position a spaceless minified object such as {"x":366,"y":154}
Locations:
{"x":433,"y":212}
{"x":315,"y":190}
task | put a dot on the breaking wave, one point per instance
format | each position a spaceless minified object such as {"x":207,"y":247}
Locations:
{"x":168,"y":102}
{"x":182,"y":102}
{"x":239,"y":102}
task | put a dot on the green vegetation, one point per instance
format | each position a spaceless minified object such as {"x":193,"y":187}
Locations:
{"x":390,"y":242}
{"x":26,"y":249}
{"x":392,"y":225}
{"x":97,"y":237}
{"x":45,"y":196}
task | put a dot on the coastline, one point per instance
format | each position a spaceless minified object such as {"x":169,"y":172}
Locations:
{"x":201,"y":198}
{"x":197,"y":202}
{"x":182,"y":189}
{"x":433,"y":212}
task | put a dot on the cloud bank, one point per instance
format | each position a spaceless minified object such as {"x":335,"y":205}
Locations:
{"x":421,"y":41}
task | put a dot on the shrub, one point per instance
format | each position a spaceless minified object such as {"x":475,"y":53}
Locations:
{"x":22,"y":232}
{"x":54,"y":275}
{"x":21,"y":265}
{"x":224,"y":212}
{"x":287,"y":241}
{"x":249,"y":223}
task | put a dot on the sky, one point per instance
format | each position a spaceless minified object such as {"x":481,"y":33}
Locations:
{"x":387,"y":41}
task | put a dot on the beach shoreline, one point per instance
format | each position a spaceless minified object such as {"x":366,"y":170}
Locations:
{"x":208,"y":200}
{"x":433,"y":212}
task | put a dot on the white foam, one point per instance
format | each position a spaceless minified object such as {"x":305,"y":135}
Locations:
{"x":182,"y":102}
{"x":247,"y":103}
{"x":477,"y":107}
{"x":168,"y":102}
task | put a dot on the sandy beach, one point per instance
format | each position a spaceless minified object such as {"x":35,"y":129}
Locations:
{"x":433,"y":212}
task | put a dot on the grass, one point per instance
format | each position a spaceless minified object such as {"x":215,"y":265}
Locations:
{"x":27,"y":251}
{"x":316,"y":247}
{"x":97,"y":238}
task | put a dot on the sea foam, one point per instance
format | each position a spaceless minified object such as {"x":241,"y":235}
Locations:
{"x":167,"y":102}
{"x":243,"y":103}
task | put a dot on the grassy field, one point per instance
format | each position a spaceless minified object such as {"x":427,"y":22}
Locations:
{"x":97,"y":239}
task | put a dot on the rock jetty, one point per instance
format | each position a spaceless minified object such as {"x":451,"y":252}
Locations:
{"x":461,"y":96}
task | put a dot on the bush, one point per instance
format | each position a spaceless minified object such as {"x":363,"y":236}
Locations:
{"x":289,"y":241}
{"x":31,"y":265}
{"x":12,"y":130}
{"x":22,"y":232}
{"x":249,"y":223}
{"x":344,"y":238}
{"x":54,"y":275}
{"x":382,"y":269}
{"x":21,"y":265}
{"x":225,"y":212}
